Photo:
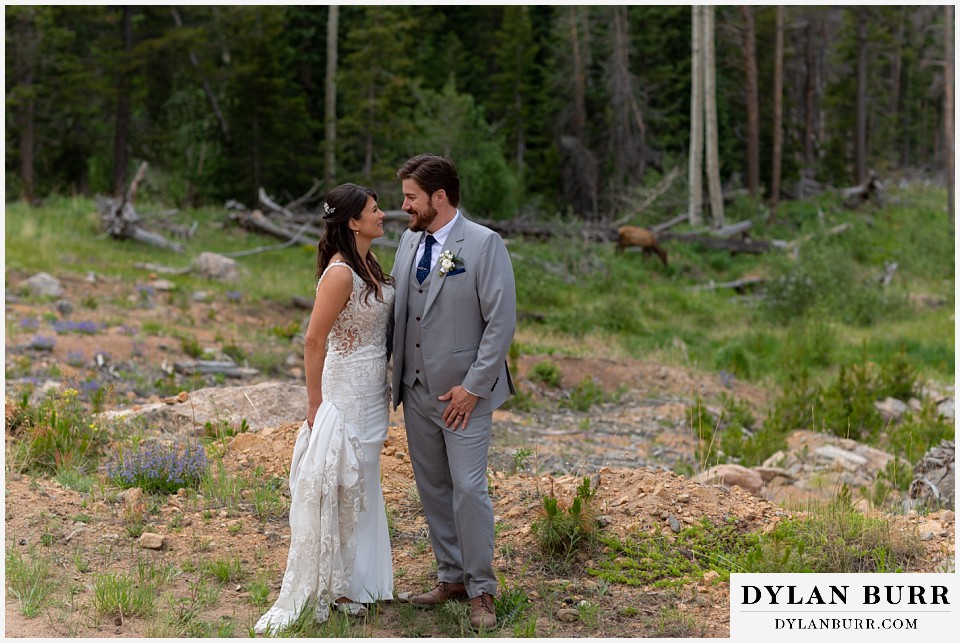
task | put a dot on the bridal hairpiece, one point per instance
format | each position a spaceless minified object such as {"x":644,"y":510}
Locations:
{"x":328,"y":208}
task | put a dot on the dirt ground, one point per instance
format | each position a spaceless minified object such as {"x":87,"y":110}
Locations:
{"x":625,"y":445}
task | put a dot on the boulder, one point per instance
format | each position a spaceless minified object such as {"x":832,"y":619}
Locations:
{"x":934,"y":476}
{"x":262,"y":405}
{"x":732,"y":475}
{"x":43,"y":285}
{"x":214,"y":266}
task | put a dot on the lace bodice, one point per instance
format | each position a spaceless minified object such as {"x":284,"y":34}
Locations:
{"x":362,"y":324}
{"x":356,"y":364}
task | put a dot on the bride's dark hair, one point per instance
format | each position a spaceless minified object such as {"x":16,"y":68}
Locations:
{"x":343,"y":203}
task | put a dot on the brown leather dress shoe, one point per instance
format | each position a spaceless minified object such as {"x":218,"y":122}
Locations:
{"x":482,"y":614}
{"x":442,"y":592}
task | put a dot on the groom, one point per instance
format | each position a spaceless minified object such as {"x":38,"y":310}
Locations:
{"x":454,"y":319}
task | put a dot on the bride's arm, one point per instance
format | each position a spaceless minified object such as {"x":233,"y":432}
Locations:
{"x":332,"y":295}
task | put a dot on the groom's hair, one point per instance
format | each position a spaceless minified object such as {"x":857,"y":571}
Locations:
{"x":433,"y":172}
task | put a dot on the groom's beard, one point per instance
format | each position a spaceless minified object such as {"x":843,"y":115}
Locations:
{"x":419,"y":221}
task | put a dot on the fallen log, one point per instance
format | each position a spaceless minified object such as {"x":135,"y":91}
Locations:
{"x":121,"y":221}
{"x":206,"y":367}
{"x":860,"y":194}
{"x":739,"y":285}
{"x":747,"y":246}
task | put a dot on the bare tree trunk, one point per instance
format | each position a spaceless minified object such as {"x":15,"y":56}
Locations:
{"x":629,"y":130}
{"x":710,"y":119}
{"x":695,"y":194}
{"x":27,"y":143}
{"x":579,"y":79}
{"x":753,"y":101}
{"x":860,"y":143}
{"x":896,"y":66}
{"x":330,"y":99}
{"x":809,"y":91}
{"x":121,"y":130}
{"x":777,"y":116}
{"x":948,"y":121}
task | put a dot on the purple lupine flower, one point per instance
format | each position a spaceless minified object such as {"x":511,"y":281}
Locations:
{"x":66,"y":326}
{"x":29,"y":323}
{"x":128,"y":329}
{"x":234,"y":295}
{"x":76,"y":358}
{"x":159,"y":467}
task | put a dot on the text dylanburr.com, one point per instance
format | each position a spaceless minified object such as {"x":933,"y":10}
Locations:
{"x":843,"y":607}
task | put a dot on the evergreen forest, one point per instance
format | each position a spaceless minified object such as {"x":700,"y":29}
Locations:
{"x":547,"y":109}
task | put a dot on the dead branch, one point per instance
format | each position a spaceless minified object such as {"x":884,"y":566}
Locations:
{"x":164,"y":270}
{"x":740,"y":285}
{"x":660,"y":227}
{"x":657,"y":192}
{"x":228,"y":369}
{"x":267,"y":201}
{"x":306,"y":197}
{"x":121,"y":221}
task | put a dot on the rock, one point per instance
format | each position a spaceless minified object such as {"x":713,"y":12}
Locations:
{"x":132,"y":496}
{"x":842,"y":456}
{"x":929,"y":530}
{"x":214,"y":266}
{"x":64,"y":307}
{"x":43,"y":285}
{"x":891,"y":408}
{"x":769,"y":473}
{"x":262,"y":405}
{"x":732,"y":475}
{"x":568,"y":615}
{"x":164,"y":285}
{"x":934,"y":476}
{"x":709,"y":577}
{"x":674,"y":523}
{"x":151,"y":541}
{"x":945,"y":408}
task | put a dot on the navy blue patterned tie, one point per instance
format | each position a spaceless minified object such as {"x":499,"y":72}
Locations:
{"x":423,"y":268}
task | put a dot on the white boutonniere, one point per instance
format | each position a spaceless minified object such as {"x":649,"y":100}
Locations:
{"x":449,"y":262}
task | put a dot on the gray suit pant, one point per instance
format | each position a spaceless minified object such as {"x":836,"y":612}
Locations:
{"x":450,"y":468}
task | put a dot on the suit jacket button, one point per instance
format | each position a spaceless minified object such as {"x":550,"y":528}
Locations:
{"x":418,"y":345}
{"x":418,"y":319}
{"x":421,"y":291}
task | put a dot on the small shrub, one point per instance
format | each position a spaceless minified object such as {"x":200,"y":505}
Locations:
{"x":159,"y":467}
{"x":561,"y":532}
{"x":191,"y":346}
{"x":546,"y":372}
{"x":584,"y":395}
{"x":55,"y":435}
{"x":510,"y":603}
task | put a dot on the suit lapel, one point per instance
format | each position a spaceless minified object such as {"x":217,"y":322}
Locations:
{"x":454,"y":244}
{"x":402,"y":269}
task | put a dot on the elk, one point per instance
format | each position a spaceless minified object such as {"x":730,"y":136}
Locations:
{"x":629,"y":235}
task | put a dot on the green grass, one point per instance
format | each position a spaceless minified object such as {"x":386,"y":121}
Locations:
{"x":30,"y":580}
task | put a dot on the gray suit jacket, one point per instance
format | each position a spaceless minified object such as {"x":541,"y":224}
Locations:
{"x":469,"y":318}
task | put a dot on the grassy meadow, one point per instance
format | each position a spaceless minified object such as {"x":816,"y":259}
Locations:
{"x":822,"y":335}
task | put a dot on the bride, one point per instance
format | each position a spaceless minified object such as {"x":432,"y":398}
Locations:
{"x":339,"y":546}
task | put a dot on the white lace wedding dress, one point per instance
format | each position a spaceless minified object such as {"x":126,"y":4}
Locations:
{"x":339,"y":545}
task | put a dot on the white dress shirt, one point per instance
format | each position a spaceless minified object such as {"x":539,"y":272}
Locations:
{"x":441,"y":238}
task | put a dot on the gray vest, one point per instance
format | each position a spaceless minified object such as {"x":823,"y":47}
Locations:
{"x":413,"y":369}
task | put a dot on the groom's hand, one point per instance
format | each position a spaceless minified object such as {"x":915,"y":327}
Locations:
{"x":457,"y":413}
